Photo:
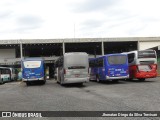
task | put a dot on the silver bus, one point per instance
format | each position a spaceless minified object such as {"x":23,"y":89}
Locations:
{"x":72,"y":68}
{"x":14,"y":74}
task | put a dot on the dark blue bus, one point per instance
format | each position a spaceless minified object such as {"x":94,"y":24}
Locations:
{"x":110,"y":67}
{"x":33,"y":70}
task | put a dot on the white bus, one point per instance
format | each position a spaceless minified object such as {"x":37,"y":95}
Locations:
{"x":142,"y":64}
{"x":8,"y":74}
{"x":5,"y":75}
{"x":72,"y":68}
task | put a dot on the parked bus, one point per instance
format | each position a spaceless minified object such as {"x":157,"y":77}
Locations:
{"x":5,"y":75}
{"x":33,"y":70}
{"x":142,"y":64}
{"x":14,"y":74}
{"x":72,"y":68}
{"x":112,"y":67}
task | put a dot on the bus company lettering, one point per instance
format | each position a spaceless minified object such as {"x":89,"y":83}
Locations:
{"x":14,"y":114}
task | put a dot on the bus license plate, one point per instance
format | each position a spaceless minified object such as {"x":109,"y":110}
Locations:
{"x":117,"y":74}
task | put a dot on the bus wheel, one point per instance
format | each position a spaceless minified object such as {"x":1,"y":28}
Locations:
{"x":61,"y":81}
{"x":97,"y":79}
{"x":80,"y":84}
{"x":2,"y":82}
{"x":43,"y":82}
{"x":142,"y":79}
{"x":58,"y":82}
{"x":130,"y":79}
{"x":27,"y":83}
{"x":115,"y":81}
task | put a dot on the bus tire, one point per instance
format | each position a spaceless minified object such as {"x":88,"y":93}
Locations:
{"x":61,"y":81}
{"x":57,"y":82}
{"x":130,"y":79}
{"x":142,"y":79}
{"x":80,"y":84}
{"x":28,"y":83}
{"x":97,"y":79}
{"x":115,"y":81}
{"x":2,"y":82}
{"x":43,"y":82}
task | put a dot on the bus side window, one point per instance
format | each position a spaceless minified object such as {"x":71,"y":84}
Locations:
{"x":131,"y":57}
{"x":100,"y":63}
{"x":61,"y":62}
{"x":3,"y":71}
{"x":7,"y":71}
{"x":92,"y":63}
{"x":96,"y":63}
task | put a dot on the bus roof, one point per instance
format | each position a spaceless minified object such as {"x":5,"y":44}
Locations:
{"x":114,"y":54}
{"x":108,"y":55}
{"x":135,"y":51}
{"x":33,"y":58}
{"x":70,"y":53}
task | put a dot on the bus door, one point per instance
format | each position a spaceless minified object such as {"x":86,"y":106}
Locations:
{"x":93,"y":69}
{"x":101,"y":69}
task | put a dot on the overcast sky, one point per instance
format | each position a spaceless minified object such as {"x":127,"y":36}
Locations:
{"x":23,"y":19}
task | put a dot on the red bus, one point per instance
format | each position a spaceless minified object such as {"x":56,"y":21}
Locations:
{"x":142,"y":64}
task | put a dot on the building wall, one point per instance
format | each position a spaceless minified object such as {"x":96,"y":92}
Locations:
{"x":7,"y":53}
{"x":147,"y":45}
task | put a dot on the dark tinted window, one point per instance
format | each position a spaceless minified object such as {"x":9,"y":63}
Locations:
{"x":59,"y":62}
{"x":131,"y":57}
{"x":100,"y":62}
{"x":92,"y":63}
{"x":115,"y":60}
{"x":146,"y":62}
{"x":76,"y":67}
{"x":146,"y":54}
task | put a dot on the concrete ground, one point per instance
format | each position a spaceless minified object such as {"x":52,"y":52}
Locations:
{"x":92,"y":96}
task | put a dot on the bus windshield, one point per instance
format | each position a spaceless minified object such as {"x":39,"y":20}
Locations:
{"x":32,"y":64}
{"x":146,"y":54}
{"x":116,"y":60}
{"x":76,"y":61}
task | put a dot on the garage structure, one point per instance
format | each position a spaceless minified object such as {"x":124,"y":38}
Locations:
{"x":12,"y":51}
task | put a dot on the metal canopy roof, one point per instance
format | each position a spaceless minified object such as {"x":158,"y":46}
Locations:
{"x":78,"y":40}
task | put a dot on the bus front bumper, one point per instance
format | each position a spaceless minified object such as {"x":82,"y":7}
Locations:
{"x":75,"y":80}
{"x":32,"y":79}
{"x":121,"y":77}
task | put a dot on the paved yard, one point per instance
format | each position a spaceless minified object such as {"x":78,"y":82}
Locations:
{"x":92,"y":96}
